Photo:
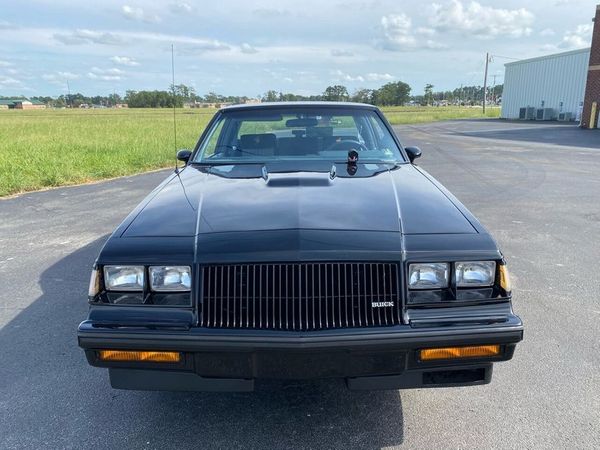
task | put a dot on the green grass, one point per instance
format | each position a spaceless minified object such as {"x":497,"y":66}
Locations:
{"x":45,"y":148}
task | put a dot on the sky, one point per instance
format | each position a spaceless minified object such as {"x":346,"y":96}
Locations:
{"x":236,"y":47}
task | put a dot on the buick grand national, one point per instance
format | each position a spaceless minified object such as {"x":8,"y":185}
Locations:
{"x":299,"y":241}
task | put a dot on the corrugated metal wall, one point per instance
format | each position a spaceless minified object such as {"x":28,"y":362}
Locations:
{"x":552,"y":79}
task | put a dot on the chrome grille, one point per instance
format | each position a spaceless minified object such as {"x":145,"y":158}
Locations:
{"x":301,"y":297}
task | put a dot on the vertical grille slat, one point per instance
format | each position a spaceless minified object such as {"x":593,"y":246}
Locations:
{"x":300,"y":296}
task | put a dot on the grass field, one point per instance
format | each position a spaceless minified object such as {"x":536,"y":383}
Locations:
{"x":46,"y":148}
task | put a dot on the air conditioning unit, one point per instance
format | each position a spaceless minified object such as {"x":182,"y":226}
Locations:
{"x":565,"y":117}
{"x":522,"y":113}
{"x":530,"y":113}
{"x":545,"y":114}
{"x":549,"y":114}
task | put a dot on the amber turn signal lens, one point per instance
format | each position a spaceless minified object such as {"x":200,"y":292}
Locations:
{"x":505,"y":278}
{"x":475,"y":351}
{"x":129,"y":355}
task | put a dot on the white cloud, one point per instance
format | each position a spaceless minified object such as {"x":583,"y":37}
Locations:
{"x":271,"y":13}
{"x":201,"y":46}
{"x":180,"y":8}
{"x":5,"y":63}
{"x":341,"y":53}
{"x":425,"y":31}
{"x":4,"y":25}
{"x":94,"y":76}
{"x":138,"y":14}
{"x":84,"y":36}
{"x":247,"y":48}
{"x":481,"y":21}
{"x":184,"y":44}
{"x":124,"y":61}
{"x":338,"y":75}
{"x":9,"y":81}
{"x":379,"y":77}
{"x":60,"y":77}
{"x":112,"y":71}
{"x":112,"y":74}
{"x":398,"y":34}
{"x":547,"y":32}
{"x":579,"y":38}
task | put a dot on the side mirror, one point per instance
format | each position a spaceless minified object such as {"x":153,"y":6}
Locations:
{"x":184,"y":155}
{"x":413,"y":153}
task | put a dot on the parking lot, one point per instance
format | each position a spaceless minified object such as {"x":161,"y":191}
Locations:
{"x":536,"y":186}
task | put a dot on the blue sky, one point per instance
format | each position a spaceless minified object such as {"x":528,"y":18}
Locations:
{"x":247,"y":47}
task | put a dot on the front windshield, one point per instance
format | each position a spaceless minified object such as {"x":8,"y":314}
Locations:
{"x":297,"y":133}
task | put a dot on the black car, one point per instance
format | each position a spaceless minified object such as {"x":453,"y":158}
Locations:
{"x":299,"y":241}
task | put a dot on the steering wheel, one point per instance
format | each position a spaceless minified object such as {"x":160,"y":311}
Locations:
{"x":348,"y":144}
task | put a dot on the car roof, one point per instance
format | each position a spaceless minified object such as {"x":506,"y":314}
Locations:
{"x":304,"y":104}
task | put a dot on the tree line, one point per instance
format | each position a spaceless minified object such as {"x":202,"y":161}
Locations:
{"x":390,"y":94}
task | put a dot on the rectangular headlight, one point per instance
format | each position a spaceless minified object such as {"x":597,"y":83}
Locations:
{"x":170,"y":278}
{"x":124,"y":278}
{"x":475,"y":273}
{"x":428,"y":276}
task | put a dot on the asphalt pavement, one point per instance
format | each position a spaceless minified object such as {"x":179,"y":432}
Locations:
{"x":535,"y":186}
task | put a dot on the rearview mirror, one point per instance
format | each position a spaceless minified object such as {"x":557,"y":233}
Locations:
{"x":413,"y":153}
{"x":184,"y":155}
{"x":302,"y":122}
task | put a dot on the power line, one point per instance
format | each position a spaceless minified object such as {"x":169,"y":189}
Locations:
{"x":504,"y":57}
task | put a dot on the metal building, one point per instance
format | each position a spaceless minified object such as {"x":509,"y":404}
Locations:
{"x":546,"y":88}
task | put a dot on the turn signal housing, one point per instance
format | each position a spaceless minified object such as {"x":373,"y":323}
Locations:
{"x":139,"y":356}
{"x":473,"y":351}
{"x":504,"y":278}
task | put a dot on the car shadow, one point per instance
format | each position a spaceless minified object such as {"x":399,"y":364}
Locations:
{"x":50,"y":397}
{"x":561,"y":134}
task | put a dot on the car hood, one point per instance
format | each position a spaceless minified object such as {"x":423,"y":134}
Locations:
{"x":218,"y":199}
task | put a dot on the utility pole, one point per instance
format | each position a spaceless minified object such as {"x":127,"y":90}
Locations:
{"x":487,"y":60}
{"x":68,"y":93}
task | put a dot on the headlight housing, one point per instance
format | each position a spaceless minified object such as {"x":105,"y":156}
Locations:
{"x":124,"y":278}
{"x":455,"y":282}
{"x":474,"y":273}
{"x":170,"y":278}
{"x":428,"y":275}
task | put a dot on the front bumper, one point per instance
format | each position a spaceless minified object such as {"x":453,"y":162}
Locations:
{"x":231,"y":360}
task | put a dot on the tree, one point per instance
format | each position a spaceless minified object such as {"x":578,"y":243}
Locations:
{"x":392,"y":94}
{"x":428,"y":94}
{"x":114,"y":99}
{"x":152,"y":99}
{"x":213,"y":97}
{"x":270,"y":96}
{"x":363,"y":96}
{"x":337,"y":93}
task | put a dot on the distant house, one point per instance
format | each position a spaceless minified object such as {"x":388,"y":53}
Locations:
{"x":9,"y":103}
{"x":206,"y":104}
{"x":21,"y":103}
{"x":29,"y":104}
